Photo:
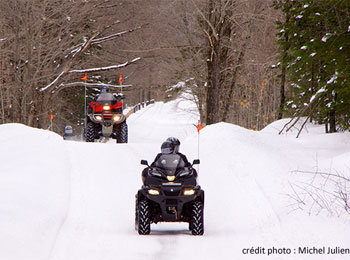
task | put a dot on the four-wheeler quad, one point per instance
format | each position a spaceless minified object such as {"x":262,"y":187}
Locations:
{"x":170,"y":193}
{"x":105,"y":118}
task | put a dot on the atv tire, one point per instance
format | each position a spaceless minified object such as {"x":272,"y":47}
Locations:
{"x":197,"y":223}
{"x":143,"y":218}
{"x":90,"y":132}
{"x":122,"y":133}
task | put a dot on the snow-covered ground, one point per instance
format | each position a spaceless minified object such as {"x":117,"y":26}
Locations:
{"x":63,"y":200}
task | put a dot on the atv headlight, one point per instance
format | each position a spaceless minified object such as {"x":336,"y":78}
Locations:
{"x":99,"y":118}
{"x":170,"y":178}
{"x":116,"y":118}
{"x":153,"y":192}
{"x":106,"y":107}
{"x":189,"y":192}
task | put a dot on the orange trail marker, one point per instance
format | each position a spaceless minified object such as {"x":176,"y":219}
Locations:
{"x":85,"y":77}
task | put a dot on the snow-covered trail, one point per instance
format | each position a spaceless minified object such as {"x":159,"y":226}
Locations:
{"x":156,"y":122}
{"x":104,"y":180}
{"x":100,"y":213}
{"x":105,"y":177}
{"x":73,"y":200}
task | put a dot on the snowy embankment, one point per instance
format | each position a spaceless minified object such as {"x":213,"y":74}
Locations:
{"x":73,"y":200}
{"x":34,"y":191}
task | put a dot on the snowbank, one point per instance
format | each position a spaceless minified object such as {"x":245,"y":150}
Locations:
{"x":34,"y":191}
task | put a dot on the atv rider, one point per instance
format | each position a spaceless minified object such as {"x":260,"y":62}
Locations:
{"x":105,"y":94}
{"x":169,"y":146}
{"x":68,"y":133}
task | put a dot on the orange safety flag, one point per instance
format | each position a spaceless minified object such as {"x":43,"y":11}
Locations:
{"x":199,"y":126}
{"x":85,"y":77}
{"x":120,"y":78}
{"x":51,"y":116}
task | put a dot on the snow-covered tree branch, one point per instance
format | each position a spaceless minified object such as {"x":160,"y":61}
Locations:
{"x":106,"y":68}
{"x":83,"y":84}
{"x":68,"y":66}
{"x":89,"y":70}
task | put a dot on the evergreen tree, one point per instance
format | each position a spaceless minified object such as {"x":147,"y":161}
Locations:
{"x":318,"y":58}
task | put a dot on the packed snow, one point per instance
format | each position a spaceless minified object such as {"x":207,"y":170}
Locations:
{"x":66,"y":200}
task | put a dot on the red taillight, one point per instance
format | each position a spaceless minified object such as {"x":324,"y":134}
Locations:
{"x":106,"y":107}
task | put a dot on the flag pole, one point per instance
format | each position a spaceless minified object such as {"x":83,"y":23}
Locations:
{"x":85,"y":79}
{"x":120,"y":83}
{"x":121,"y":87}
{"x":198,"y":137}
{"x":85,"y":104}
{"x":199,"y":128}
{"x":51,"y":124}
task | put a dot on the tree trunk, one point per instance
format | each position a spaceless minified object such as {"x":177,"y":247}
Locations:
{"x":2,"y":97}
{"x":238,"y":65}
{"x":282,"y":92}
{"x":213,"y":93}
{"x":283,"y":74}
{"x":332,"y":121}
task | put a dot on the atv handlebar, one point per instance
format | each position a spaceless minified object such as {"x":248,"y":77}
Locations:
{"x":145,"y":162}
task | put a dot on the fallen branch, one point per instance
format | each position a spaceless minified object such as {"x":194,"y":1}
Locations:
{"x":299,"y":115}
{"x":327,"y":192}
{"x":324,"y":174}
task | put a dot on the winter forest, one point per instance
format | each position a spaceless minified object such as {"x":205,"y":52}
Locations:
{"x":247,"y":62}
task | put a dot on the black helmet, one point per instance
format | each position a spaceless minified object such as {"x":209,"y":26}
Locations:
{"x":167,"y":147}
{"x":175,"y":142}
{"x":68,"y":129}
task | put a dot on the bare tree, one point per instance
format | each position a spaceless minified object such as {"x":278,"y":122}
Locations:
{"x":42,"y":41}
{"x":229,"y":54}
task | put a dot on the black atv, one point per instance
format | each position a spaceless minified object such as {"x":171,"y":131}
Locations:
{"x":105,"y":119}
{"x":170,"y":193}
